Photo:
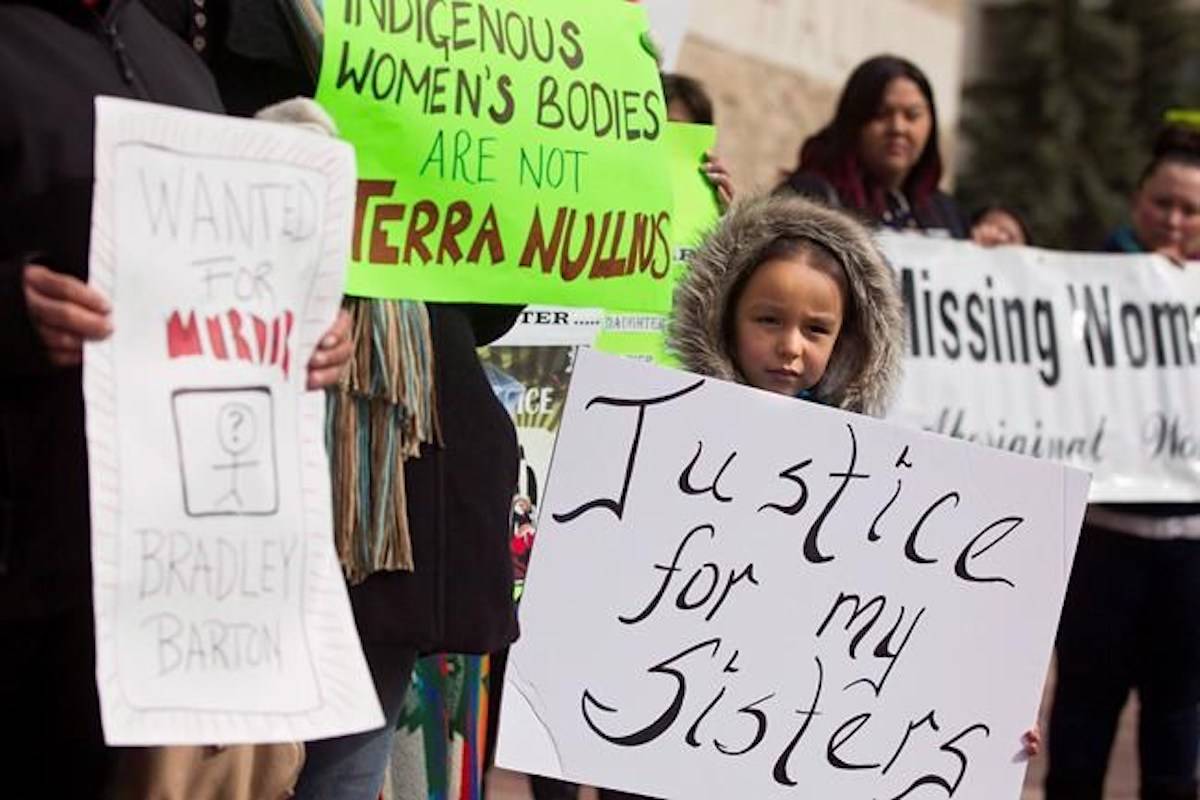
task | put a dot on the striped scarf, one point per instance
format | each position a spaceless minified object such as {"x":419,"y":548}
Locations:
{"x":384,"y":408}
{"x":377,"y":418}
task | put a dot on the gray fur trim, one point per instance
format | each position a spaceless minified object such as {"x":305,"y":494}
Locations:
{"x":866,"y":364}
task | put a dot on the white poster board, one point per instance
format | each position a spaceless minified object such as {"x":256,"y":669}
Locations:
{"x":221,"y":612}
{"x":737,"y":594}
{"x":553,"y":326}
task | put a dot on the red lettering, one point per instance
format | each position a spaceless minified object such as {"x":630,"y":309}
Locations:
{"x":260,"y":338}
{"x":612,"y":266}
{"x":381,"y":251}
{"x":364,"y":192}
{"x":547,"y":253}
{"x":458,"y":217}
{"x":216,"y":338}
{"x":274,"y":341}
{"x":489,"y":234}
{"x":287,"y":349}
{"x":424,"y":220}
{"x":239,"y":342}
{"x":572,"y":267}
{"x":271,"y":343}
{"x":183,"y":339}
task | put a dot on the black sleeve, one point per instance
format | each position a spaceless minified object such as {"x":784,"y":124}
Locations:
{"x":490,"y":322}
{"x":949,"y":216}
{"x":812,"y":186}
{"x":21,"y":349}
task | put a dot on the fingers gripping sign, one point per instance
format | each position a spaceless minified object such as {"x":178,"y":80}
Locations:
{"x":65,"y":312}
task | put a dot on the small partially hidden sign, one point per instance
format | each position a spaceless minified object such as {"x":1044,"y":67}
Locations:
{"x":221,"y":613}
{"x":738,"y":594}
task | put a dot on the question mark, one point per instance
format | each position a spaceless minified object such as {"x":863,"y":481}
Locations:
{"x":238,"y":419}
{"x":235,"y":427}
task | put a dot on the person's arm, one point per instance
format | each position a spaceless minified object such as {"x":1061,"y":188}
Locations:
{"x":63,"y":312}
{"x":20,"y":350}
{"x":490,"y":322}
{"x":44,"y":315}
{"x":948,"y":215}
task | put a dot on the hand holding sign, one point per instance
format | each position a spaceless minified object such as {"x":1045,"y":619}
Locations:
{"x":332,"y":354}
{"x":66,"y":312}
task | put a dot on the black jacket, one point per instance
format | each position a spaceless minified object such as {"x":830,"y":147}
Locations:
{"x":460,"y":596}
{"x":938,"y":213}
{"x":55,"y":57}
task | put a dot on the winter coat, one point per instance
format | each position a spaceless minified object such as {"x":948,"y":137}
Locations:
{"x":865,"y":365}
{"x":55,"y":57}
{"x":939,"y":212}
{"x":459,"y":597}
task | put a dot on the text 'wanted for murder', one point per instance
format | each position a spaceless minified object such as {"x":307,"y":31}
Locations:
{"x":566,"y":241}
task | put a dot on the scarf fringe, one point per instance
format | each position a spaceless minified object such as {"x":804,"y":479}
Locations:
{"x":378,"y":417}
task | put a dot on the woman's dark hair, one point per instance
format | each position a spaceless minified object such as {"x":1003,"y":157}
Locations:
{"x":691,"y":93}
{"x":1021,"y":221}
{"x":1174,"y":144}
{"x":832,"y":153}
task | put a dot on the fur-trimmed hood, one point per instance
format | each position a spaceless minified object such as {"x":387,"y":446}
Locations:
{"x":865,"y":366}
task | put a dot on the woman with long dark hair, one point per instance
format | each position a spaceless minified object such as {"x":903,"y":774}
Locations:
{"x":879,"y":155}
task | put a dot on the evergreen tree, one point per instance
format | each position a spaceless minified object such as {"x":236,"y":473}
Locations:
{"x":1048,"y":125}
{"x":1168,"y":47}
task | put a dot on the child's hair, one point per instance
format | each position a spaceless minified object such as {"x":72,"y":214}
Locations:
{"x":1175,"y":145}
{"x":813,"y":253}
{"x":1012,"y":211}
{"x":865,"y":364}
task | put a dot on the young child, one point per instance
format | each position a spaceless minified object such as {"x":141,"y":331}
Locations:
{"x":793,"y":297}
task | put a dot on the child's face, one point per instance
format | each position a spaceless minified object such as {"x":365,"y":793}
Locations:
{"x":786,"y":323}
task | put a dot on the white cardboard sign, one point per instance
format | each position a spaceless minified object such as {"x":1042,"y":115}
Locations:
{"x":737,"y":594}
{"x":221,"y":612}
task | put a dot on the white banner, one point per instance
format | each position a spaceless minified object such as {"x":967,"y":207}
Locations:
{"x":1085,"y":358}
{"x":221,"y":612}
{"x":737,"y":594}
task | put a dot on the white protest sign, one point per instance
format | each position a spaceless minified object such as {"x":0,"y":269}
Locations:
{"x":553,"y":326}
{"x":221,"y":612}
{"x":738,"y":594}
{"x":1087,"y":358}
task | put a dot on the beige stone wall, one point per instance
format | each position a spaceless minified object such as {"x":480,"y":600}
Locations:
{"x":763,"y":112}
{"x":769,"y":99}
